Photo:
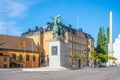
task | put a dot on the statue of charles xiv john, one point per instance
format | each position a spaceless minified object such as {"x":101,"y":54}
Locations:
{"x":58,"y":30}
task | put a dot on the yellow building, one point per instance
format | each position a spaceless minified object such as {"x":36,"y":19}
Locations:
{"x":4,"y":61}
{"x":18,"y":52}
{"x":80,"y":42}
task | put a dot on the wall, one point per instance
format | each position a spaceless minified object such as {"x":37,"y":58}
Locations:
{"x":29,"y":63}
{"x":2,"y":62}
{"x":116,"y":49}
{"x":77,"y":43}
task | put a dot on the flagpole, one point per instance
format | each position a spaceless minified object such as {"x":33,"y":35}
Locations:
{"x":25,"y":53}
{"x":32,"y":54}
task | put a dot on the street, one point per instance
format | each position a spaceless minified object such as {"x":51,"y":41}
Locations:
{"x":79,"y":74}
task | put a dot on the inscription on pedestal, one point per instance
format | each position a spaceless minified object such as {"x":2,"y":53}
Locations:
{"x":54,"y":50}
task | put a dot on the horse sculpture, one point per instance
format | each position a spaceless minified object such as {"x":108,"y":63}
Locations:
{"x":58,"y":30}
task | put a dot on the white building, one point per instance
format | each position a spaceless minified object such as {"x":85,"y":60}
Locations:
{"x":116,"y":49}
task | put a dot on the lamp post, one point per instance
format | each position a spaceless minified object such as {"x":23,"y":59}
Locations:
{"x":32,"y":56}
{"x":85,"y":58}
{"x":23,"y":45}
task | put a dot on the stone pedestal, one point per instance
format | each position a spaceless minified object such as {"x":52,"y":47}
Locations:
{"x":110,"y":53}
{"x":59,"y":54}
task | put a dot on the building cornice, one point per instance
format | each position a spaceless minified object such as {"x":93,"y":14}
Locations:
{"x":17,"y":50}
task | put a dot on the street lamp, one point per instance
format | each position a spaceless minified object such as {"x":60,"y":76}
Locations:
{"x":86,"y":56}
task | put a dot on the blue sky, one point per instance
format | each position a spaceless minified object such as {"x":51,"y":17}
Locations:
{"x":17,"y":16}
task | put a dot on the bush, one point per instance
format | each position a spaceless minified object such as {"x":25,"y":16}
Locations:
{"x":13,"y":64}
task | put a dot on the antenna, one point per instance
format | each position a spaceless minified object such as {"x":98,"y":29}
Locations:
{"x":77,"y":22}
{"x":7,"y":31}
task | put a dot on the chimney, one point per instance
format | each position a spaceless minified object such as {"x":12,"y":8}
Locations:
{"x":36,"y":27}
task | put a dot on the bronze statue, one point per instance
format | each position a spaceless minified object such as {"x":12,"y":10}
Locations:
{"x":58,"y":31}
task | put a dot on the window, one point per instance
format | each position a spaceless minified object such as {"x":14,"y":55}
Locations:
{"x":5,"y":65}
{"x":14,"y":56}
{"x":27,"y":58}
{"x":1,"y":53}
{"x":20,"y":57}
{"x":5,"y":58}
{"x":88,"y":42}
{"x":77,"y":40}
{"x":34,"y":58}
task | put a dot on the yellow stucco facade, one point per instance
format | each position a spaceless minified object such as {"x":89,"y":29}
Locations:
{"x":78,"y":43}
{"x":19,"y":58}
{"x":4,"y":61}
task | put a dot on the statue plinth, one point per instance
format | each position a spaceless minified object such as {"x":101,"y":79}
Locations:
{"x":59,"y":54}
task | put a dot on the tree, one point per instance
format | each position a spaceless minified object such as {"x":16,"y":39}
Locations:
{"x":73,"y":57}
{"x":13,"y":64}
{"x":107,"y":42}
{"x":96,"y":58}
{"x":102,"y":42}
{"x":113,"y":59}
{"x":82,"y":58}
{"x":92,"y":58}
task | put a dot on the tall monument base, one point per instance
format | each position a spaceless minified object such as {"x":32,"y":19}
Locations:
{"x":110,"y":53}
{"x":59,"y":55}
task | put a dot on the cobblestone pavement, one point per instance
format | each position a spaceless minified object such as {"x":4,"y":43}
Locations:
{"x":79,"y":74}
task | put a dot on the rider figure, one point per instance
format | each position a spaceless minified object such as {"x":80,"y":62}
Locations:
{"x":57,"y":29}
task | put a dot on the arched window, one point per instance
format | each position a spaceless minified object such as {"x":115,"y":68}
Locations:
{"x":14,"y":56}
{"x":5,"y":58}
{"x":20,"y":57}
{"x":27,"y":58}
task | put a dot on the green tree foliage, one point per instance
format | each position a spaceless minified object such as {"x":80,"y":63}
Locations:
{"x":13,"y":64}
{"x":102,"y":41}
{"x":98,"y":57}
{"x":92,"y":58}
{"x":82,"y":58}
{"x":112,"y":58}
{"x":107,"y":41}
{"x":108,"y":30}
{"x":73,"y":56}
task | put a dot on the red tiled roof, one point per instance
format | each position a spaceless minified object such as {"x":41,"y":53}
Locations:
{"x":13,"y":43}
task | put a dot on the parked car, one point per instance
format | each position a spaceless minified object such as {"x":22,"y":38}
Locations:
{"x":102,"y":65}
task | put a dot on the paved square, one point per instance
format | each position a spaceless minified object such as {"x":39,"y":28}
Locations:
{"x":80,"y":74}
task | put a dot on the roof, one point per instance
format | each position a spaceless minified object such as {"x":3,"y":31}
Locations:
{"x":49,"y":27}
{"x":88,"y":35}
{"x":13,"y":43}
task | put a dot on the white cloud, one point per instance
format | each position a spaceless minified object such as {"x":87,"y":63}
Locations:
{"x":13,"y":8}
{"x":10,"y":12}
{"x":16,"y":9}
{"x":9,"y":28}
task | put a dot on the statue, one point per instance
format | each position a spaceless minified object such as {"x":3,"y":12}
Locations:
{"x":58,"y":31}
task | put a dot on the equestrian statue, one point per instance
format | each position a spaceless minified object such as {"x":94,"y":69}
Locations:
{"x":58,"y":30}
